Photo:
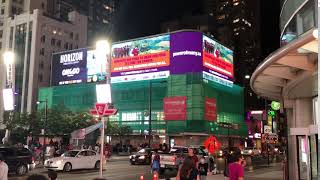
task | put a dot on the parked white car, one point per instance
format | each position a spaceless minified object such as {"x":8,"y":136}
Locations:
{"x":251,"y":151}
{"x":75,"y":159}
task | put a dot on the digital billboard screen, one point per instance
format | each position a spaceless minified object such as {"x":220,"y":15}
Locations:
{"x":78,"y":66}
{"x":142,"y":59}
{"x":217,"y":59}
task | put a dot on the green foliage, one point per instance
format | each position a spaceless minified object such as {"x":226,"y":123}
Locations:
{"x":60,"y":121}
{"x":114,"y":128}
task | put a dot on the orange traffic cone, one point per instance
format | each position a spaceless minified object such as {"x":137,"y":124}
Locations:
{"x":155,"y":177}
{"x":141,"y":177}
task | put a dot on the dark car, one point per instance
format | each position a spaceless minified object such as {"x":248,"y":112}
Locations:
{"x":19,"y":160}
{"x":141,"y":157}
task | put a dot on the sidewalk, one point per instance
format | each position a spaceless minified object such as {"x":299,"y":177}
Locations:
{"x":266,"y":173}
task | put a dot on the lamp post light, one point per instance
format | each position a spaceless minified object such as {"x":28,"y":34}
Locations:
{"x":103,"y":51}
{"x":45,"y":127}
{"x":247,"y":76}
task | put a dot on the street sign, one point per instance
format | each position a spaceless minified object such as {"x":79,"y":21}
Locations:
{"x":269,"y":138}
{"x":100,"y":108}
{"x":108,"y":112}
{"x":275,"y":105}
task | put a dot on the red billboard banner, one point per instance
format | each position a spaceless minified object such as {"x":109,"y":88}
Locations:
{"x":210,"y":109}
{"x":175,"y":108}
{"x":217,"y":64}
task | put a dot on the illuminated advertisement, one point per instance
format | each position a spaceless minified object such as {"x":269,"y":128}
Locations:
{"x":77,"y":66}
{"x":142,"y":59}
{"x":185,"y":52}
{"x":217,"y":59}
{"x":96,"y":67}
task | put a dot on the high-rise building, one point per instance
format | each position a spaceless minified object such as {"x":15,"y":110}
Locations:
{"x":33,"y":37}
{"x":100,"y":15}
{"x":236,"y":24}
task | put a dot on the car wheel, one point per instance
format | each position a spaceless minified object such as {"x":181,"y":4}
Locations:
{"x":132,"y":163}
{"x":67,"y":167}
{"x":97,"y":165}
{"x":22,"y":170}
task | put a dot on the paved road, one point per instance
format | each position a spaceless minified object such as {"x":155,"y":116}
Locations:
{"x":119,"y":170}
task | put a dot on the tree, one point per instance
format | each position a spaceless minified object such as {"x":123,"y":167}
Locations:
{"x":114,"y":128}
{"x":60,"y":121}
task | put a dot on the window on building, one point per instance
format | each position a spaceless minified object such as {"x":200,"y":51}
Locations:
{"x":2,"y":11}
{"x":42,"y":5}
{"x":3,"y":1}
{"x":40,"y":77}
{"x":42,"y":51}
{"x":71,"y":35}
{"x":66,"y":45}
{"x":53,"y":41}
{"x":77,"y":36}
{"x":1,"y":33}
{"x":59,"y":43}
{"x":0,"y":46}
{"x":70,"y":47}
{"x":41,"y":65}
{"x":43,"y":39}
{"x":14,"y":10}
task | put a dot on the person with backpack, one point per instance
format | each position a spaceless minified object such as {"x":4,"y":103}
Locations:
{"x":155,"y":165}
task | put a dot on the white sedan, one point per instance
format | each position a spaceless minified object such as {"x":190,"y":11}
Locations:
{"x":75,"y":159}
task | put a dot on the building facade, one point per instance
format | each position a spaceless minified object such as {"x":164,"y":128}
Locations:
{"x":290,"y":75}
{"x":145,"y":74}
{"x":33,"y":37}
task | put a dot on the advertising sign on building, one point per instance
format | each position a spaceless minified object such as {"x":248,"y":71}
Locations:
{"x":210,"y":109}
{"x":267,"y":129}
{"x":142,"y":59}
{"x":69,"y":67}
{"x":175,"y":108}
{"x":217,"y":59}
{"x":185,"y":52}
{"x":78,"y":66}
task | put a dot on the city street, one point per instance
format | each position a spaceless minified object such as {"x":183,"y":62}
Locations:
{"x":122,"y":170}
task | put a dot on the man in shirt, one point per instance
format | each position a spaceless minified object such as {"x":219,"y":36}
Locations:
{"x":236,"y":169}
{"x":3,"y":169}
{"x":191,"y":155}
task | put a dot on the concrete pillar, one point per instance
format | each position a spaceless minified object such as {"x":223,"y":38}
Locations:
{"x":300,"y":116}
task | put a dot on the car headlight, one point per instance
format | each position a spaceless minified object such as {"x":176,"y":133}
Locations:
{"x":220,"y":152}
{"x":130,"y":156}
{"x":142,"y":157}
{"x":59,"y":162}
{"x":250,"y":151}
{"x":241,"y":152}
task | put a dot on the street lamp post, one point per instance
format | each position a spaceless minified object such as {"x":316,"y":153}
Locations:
{"x":45,"y":127}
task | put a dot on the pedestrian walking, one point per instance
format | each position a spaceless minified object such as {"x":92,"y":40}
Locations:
{"x":236,"y":169}
{"x":3,"y":169}
{"x":192,"y":156}
{"x":188,"y":171}
{"x":155,"y":166}
{"x":203,"y":169}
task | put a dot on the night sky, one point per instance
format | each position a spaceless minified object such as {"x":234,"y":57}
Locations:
{"x":138,"y":18}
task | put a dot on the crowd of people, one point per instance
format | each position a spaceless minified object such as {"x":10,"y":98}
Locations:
{"x":193,"y":168}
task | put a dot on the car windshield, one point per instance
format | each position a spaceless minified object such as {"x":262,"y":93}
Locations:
{"x":70,"y":154}
{"x":142,"y":151}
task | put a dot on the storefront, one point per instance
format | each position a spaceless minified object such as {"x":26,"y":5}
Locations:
{"x":290,"y":75}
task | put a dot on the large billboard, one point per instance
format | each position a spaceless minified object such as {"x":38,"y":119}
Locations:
{"x":78,"y":66}
{"x":185,"y":52}
{"x":142,"y":59}
{"x":217,"y":59}
{"x":175,"y":108}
